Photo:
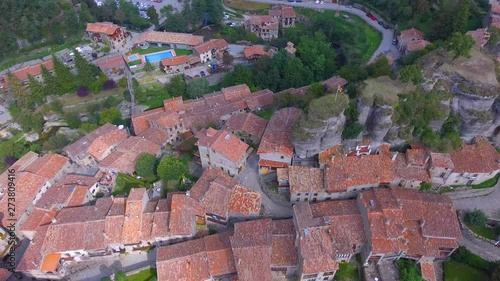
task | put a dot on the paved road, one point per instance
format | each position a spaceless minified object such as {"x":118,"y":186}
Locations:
{"x":387,"y":34}
{"x":485,"y":250}
{"x":489,"y":204}
{"x":250,"y":178}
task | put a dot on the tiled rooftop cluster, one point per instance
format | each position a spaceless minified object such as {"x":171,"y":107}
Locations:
{"x":221,"y":195}
{"x":193,"y":114}
{"x":248,"y":253}
{"x":32,"y":172}
{"x":107,"y":28}
{"x":248,"y":123}
{"x":113,"y":222}
{"x":222,"y":142}
{"x":23,"y":73}
{"x":170,"y":38}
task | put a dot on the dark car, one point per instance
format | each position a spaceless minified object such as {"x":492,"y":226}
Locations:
{"x":291,"y":1}
{"x":298,"y":1}
{"x":372,"y":17}
{"x":202,"y":73}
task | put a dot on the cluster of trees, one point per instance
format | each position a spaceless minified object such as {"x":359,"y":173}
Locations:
{"x":168,"y":169}
{"x":124,"y":13}
{"x":408,"y":270}
{"x":195,"y":13}
{"x":36,"y":21}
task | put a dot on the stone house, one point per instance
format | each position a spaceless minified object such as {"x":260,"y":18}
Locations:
{"x":211,"y":49}
{"x":114,"y":66}
{"x":175,"y":65}
{"x":222,"y":150}
{"x":408,"y":36}
{"x":285,"y":14}
{"x":264,"y":26}
{"x":105,"y":32}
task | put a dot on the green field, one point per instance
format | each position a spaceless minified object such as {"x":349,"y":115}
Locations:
{"x":143,"y":275}
{"x":124,"y":183}
{"x":265,"y":113}
{"x":456,"y":271}
{"x":486,"y":232}
{"x":373,"y":38}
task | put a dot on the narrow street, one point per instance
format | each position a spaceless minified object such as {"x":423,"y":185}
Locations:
{"x":131,"y":90}
{"x":387,"y":34}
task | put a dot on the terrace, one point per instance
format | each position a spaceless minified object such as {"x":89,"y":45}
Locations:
{"x":140,"y":56}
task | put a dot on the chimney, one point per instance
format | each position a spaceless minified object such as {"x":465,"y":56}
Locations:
{"x":54,"y":221}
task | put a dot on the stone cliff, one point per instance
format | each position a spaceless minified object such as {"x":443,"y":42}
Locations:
{"x":321,"y":126}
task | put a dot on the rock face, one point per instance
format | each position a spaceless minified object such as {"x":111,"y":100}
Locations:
{"x":380,"y":122}
{"x":322,"y":126}
{"x":474,"y":86}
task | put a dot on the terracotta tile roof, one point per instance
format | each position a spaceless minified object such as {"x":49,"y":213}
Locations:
{"x":275,"y":12}
{"x":4,"y":274}
{"x":194,"y":59}
{"x":272,"y":164}
{"x":404,"y":170}
{"x":155,"y":135}
{"x":183,"y":214}
{"x":441,"y":160}
{"x":254,"y":50}
{"x":60,"y":196}
{"x":248,"y":123}
{"x":104,"y":143}
{"x":417,"y":157}
{"x":412,"y":32}
{"x":417,"y":45}
{"x":132,"y":222}
{"x":404,"y":219}
{"x":283,"y":227}
{"x":184,"y":261}
{"x":177,"y":60}
{"x":37,"y":218}
{"x":119,"y":162}
{"x":245,"y":201}
{"x":214,"y":44}
{"x":111,"y":62}
{"x":203,"y":183}
{"x":287,"y":12}
{"x":263,"y":20}
{"x":282,"y":174}
{"x":220,"y":254}
{"x":140,"y":122}
{"x":27,"y":187}
{"x":138,"y":146}
{"x":480,"y":157}
{"x":73,"y":179}
{"x":495,"y":22}
{"x":224,"y":143}
{"x":107,"y":28}
{"x":495,"y":8}
{"x":113,"y":228}
{"x":48,"y":166}
{"x":334,"y":82}
{"x":260,"y":99}
{"x":347,"y":171}
{"x":32,"y":258}
{"x":32,"y":70}
{"x":170,"y":38}
{"x":94,"y":238}
{"x":252,"y":249}
{"x":216,"y":200}
{"x":481,"y":36}
{"x":236,"y":92}
{"x":80,"y":147}
{"x":305,"y":179}
{"x":64,"y":237}
{"x":276,"y":138}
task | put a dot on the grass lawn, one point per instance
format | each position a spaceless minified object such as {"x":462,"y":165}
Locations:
{"x":347,"y":272}
{"x":486,"y":232}
{"x":154,"y":98}
{"x":135,"y":62}
{"x":124,"y":183}
{"x":486,"y":184}
{"x":181,"y":52}
{"x":456,"y":271}
{"x":265,"y":113}
{"x":373,"y":38}
{"x":246,"y":5}
{"x":73,"y":99}
{"x":143,"y":275}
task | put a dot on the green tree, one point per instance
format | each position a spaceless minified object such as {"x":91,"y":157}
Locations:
{"x":317,"y":54}
{"x":148,"y":67}
{"x":197,"y":88}
{"x":380,"y":67}
{"x":476,"y":218}
{"x":175,"y":23}
{"x":120,"y":276}
{"x":65,"y":80}
{"x":87,"y":127}
{"x":215,"y":11}
{"x":153,"y":15}
{"x":51,"y":87}
{"x":460,"y":44}
{"x":461,"y":16}
{"x":227,"y":58}
{"x":37,"y":91}
{"x":411,"y":73}
{"x":353,"y":72}
{"x":111,"y":115}
{"x":72,"y":120}
{"x":55,"y":142}
{"x":21,"y":94}
{"x":146,"y":165}
{"x":425,"y":186}
{"x":352,"y":130}
{"x":240,"y":75}
{"x":171,"y":168}
{"x":87,"y":72}
{"x":408,"y":270}
{"x":177,"y":86}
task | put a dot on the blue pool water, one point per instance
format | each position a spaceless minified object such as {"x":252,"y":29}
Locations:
{"x":159,"y":56}
{"x":133,"y":57}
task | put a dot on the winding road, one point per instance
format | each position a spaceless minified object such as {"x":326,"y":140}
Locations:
{"x":387,"y":34}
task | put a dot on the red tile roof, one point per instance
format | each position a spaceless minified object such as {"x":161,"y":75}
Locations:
{"x":495,"y":8}
{"x":32,"y":70}
{"x":260,"y":99}
{"x":244,"y":201}
{"x":48,"y":166}
{"x":236,"y":92}
{"x":441,"y":160}
{"x":412,"y":33}
{"x":404,"y":170}
{"x":140,"y":122}
{"x":276,"y":138}
{"x":170,"y":38}
{"x":183,"y":214}
{"x":111,"y":62}
{"x":305,"y":179}
{"x":80,"y":147}
{"x":417,"y":45}
{"x":272,"y":164}
{"x":255,"y":50}
{"x":155,"y":135}
{"x":177,"y":60}
{"x":214,"y":44}
{"x":104,"y":143}
{"x":107,"y":28}
{"x":32,"y":258}
{"x":223,"y":142}
{"x":248,"y":123}
{"x":480,"y":157}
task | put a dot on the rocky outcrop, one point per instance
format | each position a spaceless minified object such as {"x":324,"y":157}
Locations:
{"x":380,"y":122}
{"x":321,"y":127}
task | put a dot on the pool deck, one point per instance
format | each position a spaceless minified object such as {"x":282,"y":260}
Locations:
{"x":143,"y":57}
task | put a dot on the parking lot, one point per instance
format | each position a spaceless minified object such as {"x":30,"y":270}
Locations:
{"x":176,"y":4}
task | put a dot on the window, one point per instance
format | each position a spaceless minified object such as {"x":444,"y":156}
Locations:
{"x":315,"y":194}
{"x":298,"y":194}
{"x":282,"y":157}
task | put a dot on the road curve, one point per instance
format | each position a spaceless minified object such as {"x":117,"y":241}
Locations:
{"x":387,"y":34}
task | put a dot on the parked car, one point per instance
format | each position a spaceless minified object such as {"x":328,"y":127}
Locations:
{"x":372,"y":17}
{"x":202,"y":73}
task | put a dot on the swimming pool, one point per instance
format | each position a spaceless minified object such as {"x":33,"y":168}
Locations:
{"x":159,"y":56}
{"x":133,"y":57}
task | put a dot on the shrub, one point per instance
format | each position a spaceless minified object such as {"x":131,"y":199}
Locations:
{"x":123,"y":82}
{"x":105,"y":49}
{"x":425,"y":186}
{"x":10,"y":160}
{"x":465,"y":256}
{"x":476,"y":218}
{"x":126,"y":95}
{"x":82,"y":91}
{"x":109,"y":85}
{"x":408,"y":270}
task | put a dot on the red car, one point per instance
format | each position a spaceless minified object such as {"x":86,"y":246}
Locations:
{"x":372,"y":17}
